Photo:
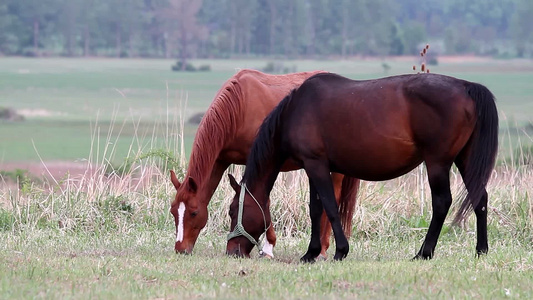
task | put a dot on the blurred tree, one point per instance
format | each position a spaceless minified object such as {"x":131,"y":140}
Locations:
{"x":181,"y":26}
{"x":67,"y":20}
{"x":4,"y":27}
{"x":242,"y":16}
{"x":221,"y":28}
{"x":522,"y":27}
{"x":414,"y":33}
{"x":396,"y":44}
{"x":37,"y":16}
{"x":261,"y":30}
{"x":88,"y":22}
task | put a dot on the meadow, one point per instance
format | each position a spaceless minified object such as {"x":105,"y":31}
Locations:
{"x":70,"y":99}
{"x":104,"y":231}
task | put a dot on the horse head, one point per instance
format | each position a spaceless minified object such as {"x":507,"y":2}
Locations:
{"x":190,"y":213}
{"x":248,"y":221}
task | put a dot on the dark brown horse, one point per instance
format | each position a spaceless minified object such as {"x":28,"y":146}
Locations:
{"x":224,"y":137}
{"x":373,"y":130}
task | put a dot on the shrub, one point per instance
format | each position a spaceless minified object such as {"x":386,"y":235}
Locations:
{"x":196,"y":118}
{"x":10,"y":114}
{"x":189,"y":67}
{"x":277,"y":68}
{"x":204,"y":68}
{"x":179,"y":67}
{"x":432,"y":60}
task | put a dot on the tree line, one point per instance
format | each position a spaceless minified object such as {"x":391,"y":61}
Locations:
{"x":277,"y":28}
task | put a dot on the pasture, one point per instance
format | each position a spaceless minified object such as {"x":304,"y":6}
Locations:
{"x":104,"y":233}
{"x":137,"y":100}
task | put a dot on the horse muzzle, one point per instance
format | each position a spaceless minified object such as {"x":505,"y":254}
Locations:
{"x":237,"y":249}
{"x":237,"y":253}
{"x":183,"y":249}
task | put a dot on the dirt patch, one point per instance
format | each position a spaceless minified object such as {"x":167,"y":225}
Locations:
{"x":52,"y":169}
{"x":40,"y":113}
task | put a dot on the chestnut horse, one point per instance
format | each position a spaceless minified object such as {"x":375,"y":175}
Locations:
{"x":224,"y":137}
{"x":373,"y":130}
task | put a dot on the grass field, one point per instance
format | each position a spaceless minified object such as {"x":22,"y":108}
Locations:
{"x":113,"y":241}
{"x":101,"y":234}
{"x":60,"y":97}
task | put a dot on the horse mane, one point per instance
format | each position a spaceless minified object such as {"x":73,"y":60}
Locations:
{"x":264,"y":146}
{"x":219,"y":124}
{"x":224,"y":116}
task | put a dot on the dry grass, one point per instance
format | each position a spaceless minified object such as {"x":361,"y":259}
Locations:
{"x":142,"y":195}
{"x":107,"y":232}
{"x":139,"y":192}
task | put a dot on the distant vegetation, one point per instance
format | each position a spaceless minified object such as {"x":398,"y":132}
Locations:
{"x":10,"y":114}
{"x":188,"y":67}
{"x":277,"y":28}
{"x":196,"y":118}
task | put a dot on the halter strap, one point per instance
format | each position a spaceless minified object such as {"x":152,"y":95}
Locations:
{"x":239,"y":228}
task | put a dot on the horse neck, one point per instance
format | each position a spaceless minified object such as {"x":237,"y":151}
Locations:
{"x":213,"y":180}
{"x":261,"y":184}
{"x":207,"y":180}
{"x":219,"y":124}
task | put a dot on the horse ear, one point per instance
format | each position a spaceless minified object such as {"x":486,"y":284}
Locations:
{"x":174,"y":180}
{"x":236,"y":187}
{"x":191,"y":184}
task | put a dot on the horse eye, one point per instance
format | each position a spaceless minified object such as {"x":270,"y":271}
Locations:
{"x":194,"y":214}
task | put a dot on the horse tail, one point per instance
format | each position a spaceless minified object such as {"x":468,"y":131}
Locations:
{"x":483,"y":148}
{"x":347,"y":201}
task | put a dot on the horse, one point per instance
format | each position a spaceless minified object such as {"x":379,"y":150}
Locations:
{"x":224,"y":136}
{"x":374,"y":130}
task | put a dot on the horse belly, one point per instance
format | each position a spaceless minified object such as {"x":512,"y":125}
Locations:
{"x":375,"y":162}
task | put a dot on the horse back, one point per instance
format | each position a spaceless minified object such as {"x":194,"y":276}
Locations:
{"x":258,"y":94}
{"x":394,"y":120}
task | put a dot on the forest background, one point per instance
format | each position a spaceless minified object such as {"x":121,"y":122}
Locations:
{"x":189,"y":29}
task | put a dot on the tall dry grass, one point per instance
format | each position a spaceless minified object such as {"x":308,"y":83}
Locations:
{"x":137,"y":194}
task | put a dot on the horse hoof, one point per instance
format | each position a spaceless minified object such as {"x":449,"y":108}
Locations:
{"x":421,"y":257}
{"x":307,"y":259}
{"x":321,"y":258}
{"x":265,"y":255}
{"x":482,"y":252}
{"x":339,"y":257}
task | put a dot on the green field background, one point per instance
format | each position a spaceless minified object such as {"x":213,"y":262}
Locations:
{"x":105,"y":237}
{"x":75,"y":105}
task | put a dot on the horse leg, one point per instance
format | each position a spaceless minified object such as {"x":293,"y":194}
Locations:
{"x":315,"y":211}
{"x":441,"y":200}
{"x":325,"y":225}
{"x":325,"y":234}
{"x":482,"y":246}
{"x":319,"y":176}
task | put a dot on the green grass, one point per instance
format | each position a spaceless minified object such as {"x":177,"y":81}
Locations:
{"x":73,"y":140}
{"x":109,"y":235}
{"x":64,"y":95}
{"x":138,"y":264}
{"x":100,"y":237}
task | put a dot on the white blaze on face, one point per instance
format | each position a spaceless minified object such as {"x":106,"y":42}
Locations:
{"x":181,"y":213}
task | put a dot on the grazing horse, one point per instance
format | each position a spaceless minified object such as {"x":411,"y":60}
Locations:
{"x":224,"y":137}
{"x":373,"y":130}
